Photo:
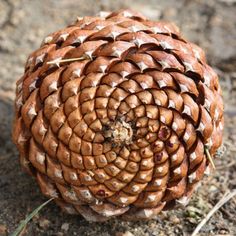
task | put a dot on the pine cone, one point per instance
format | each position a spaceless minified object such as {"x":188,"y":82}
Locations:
{"x":118,"y":116}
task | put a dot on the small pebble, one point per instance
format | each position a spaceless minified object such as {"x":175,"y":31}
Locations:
{"x":44,"y":223}
{"x":174,"y":219}
{"x":60,"y":234}
{"x":224,"y":232}
{"x":213,"y":188}
{"x":65,"y":226}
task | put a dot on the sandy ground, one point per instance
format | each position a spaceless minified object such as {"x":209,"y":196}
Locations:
{"x":23,"y":24}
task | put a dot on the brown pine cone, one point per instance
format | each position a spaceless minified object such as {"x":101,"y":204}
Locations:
{"x":118,"y":115}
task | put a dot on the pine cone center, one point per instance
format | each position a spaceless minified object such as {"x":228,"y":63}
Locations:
{"x":119,"y":133}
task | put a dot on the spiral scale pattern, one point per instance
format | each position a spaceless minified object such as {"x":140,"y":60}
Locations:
{"x":122,"y":129}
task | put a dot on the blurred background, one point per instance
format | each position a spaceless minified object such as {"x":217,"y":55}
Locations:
{"x":24,"y":23}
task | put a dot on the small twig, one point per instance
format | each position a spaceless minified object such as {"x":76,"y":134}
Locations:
{"x":24,"y":222}
{"x":210,"y":158}
{"x":58,"y":60}
{"x":227,"y":196}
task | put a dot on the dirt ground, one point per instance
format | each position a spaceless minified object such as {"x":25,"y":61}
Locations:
{"x":23,"y":24}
